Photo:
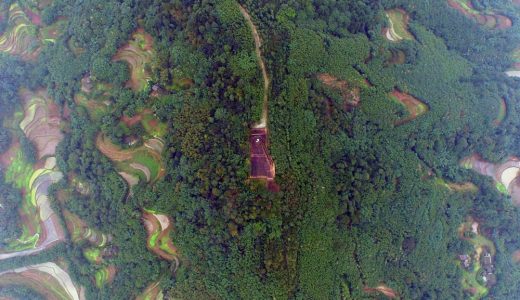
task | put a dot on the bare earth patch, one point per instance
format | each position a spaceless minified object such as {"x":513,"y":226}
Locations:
{"x":414,"y":106}
{"x":350,"y":93}
{"x":383,"y":289}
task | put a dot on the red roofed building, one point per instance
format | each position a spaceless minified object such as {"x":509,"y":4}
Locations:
{"x":262,"y":165}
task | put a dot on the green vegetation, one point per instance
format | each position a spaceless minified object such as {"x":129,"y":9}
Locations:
{"x":398,"y":20}
{"x":370,"y":195}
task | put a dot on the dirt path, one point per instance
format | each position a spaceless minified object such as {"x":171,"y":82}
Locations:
{"x":258,"y":51}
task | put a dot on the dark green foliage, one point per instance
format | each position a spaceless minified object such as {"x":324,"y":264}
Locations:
{"x":360,"y":201}
{"x":5,"y":139}
{"x":10,"y":200}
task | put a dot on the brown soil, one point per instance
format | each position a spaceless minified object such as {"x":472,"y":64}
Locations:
{"x":44,"y":129}
{"x":34,"y":17}
{"x":151,"y":292}
{"x":458,"y":7}
{"x":132,"y":121}
{"x":152,"y":225}
{"x":350,"y":94}
{"x":112,"y":151}
{"x":463,"y":187}
{"x":112,"y":271}
{"x":412,"y":104}
{"x":143,"y":169}
{"x":503,"y":22}
{"x":383,"y":289}
{"x":516,"y":254}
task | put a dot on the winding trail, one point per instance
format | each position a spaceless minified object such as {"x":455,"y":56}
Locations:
{"x":261,"y":63}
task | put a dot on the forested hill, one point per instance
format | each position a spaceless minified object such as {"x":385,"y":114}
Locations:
{"x":387,"y":167}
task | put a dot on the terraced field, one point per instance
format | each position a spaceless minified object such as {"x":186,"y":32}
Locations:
{"x":414,"y":106}
{"x":144,"y":162}
{"x":506,"y":175}
{"x":25,"y":34}
{"x":41,"y":228}
{"x":49,"y":279}
{"x":159,"y":227}
{"x":95,"y":97}
{"x":105,"y":276}
{"x":138,"y":53}
{"x":398,"y":30}
{"x":489,"y":19}
{"x":79,"y":231}
{"x":150,"y":123}
{"x":41,"y":122}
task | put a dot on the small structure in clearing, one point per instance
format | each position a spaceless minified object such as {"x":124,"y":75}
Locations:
{"x":262,"y":165}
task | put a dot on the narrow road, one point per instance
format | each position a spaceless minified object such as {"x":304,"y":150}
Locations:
{"x":258,"y":46}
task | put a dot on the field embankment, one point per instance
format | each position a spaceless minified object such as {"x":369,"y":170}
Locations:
{"x":41,"y":122}
{"x":506,"y":175}
{"x":26,"y":33}
{"x":152,"y":292}
{"x":48,"y":279}
{"x":138,"y":53}
{"x":489,"y":19}
{"x":414,"y":106}
{"x":144,"y":162}
{"x":397,"y":31}
{"x":159,"y":228}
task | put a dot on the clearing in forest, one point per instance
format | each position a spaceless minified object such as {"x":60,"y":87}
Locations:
{"x":351,"y":93}
{"x":458,"y":187}
{"x":152,"y":292}
{"x":144,"y":162}
{"x":502,"y":113}
{"x":105,"y":276}
{"x":48,"y":279}
{"x":79,"y":231}
{"x":478,"y":271}
{"x":506,"y":175}
{"x":159,"y":228}
{"x":150,"y":123}
{"x":41,"y":122}
{"x":262,"y":164}
{"x":95,"y":97}
{"x":488,"y":18}
{"x":515,"y":69}
{"x":382,"y":289}
{"x":41,"y":228}
{"x":138,"y":53}
{"x":398,"y":20}
{"x":25,"y":35}
{"x":414,"y":106}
